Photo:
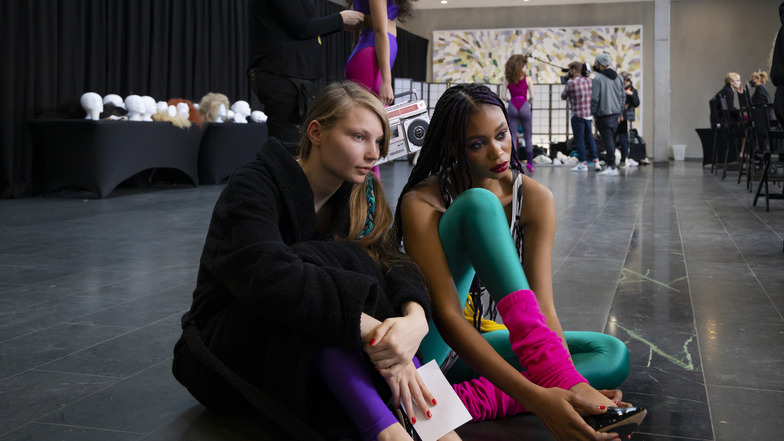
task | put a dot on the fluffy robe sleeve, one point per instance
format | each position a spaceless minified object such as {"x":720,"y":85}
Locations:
{"x":261,"y":251}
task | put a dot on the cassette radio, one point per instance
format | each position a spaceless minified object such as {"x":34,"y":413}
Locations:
{"x":408,"y":124}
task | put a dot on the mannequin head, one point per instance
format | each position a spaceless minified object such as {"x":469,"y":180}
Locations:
{"x":183,"y":111}
{"x":114,"y":99}
{"x":92,"y":105}
{"x":258,"y":116}
{"x":241,"y":111}
{"x":149,"y":108}
{"x":135,"y":106}
{"x":210,"y":107}
{"x":192,"y":115}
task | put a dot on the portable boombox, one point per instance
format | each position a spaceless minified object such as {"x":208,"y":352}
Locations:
{"x":408,"y":124}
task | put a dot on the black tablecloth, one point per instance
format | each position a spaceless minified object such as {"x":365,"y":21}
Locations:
{"x":706,"y":137}
{"x":226,"y":146}
{"x":99,"y":155}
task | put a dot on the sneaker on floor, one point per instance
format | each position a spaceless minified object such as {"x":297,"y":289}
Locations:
{"x":597,"y":166}
{"x":632,"y":163}
{"x":580,"y":167}
{"x":609,"y":172}
{"x":622,"y":164}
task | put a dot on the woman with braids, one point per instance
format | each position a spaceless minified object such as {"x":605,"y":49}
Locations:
{"x":303,"y":301}
{"x":520,"y":86}
{"x":454,"y":218}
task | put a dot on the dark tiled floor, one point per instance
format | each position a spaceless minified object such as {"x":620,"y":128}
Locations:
{"x":671,"y":260}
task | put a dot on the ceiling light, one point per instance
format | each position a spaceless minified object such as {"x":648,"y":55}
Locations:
{"x":443,"y":2}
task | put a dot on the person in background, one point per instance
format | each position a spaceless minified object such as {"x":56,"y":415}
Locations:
{"x":520,"y":86}
{"x":629,"y":106}
{"x":286,"y":58}
{"x":578,"y":92}
{"x":607,"y":100}
{"x":777,"y":69}
{"x":375,"y":46}
{"x":761,"y":96}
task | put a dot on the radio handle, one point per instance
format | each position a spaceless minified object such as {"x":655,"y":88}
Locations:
{"x":411,"y":92}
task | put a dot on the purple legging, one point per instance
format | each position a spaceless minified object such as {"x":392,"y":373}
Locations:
{"x":521,"y":116}
{"x":347,"y":375}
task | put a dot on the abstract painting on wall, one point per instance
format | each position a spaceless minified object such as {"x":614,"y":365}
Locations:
{"x":479,"y":56}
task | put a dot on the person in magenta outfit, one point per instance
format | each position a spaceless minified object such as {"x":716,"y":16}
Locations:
{"x":375,"y":48}
{"x":519,"y":85}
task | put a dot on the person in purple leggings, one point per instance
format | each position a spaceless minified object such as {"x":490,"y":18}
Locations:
{"x":375,"y":46}
{"x":301,"y":285}
{"x":520,"y":87}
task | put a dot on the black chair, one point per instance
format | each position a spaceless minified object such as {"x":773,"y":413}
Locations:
{"x":728,"y":133}
{"x":745,"y":156}
{"x":770,"y":142}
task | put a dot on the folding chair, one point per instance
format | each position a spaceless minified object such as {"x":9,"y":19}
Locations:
{"x":771,"y":142}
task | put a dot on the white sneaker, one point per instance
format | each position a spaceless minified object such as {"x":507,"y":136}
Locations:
{"x":597,"y":166}
{"x":631,"y":162}
{"x":609,"y":172}
{"x":580,"y":167}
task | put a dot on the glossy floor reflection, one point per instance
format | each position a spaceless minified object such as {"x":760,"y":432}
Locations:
{"x":671,"y":260}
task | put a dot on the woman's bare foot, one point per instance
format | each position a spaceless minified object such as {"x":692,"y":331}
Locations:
{"x":395,"y":432}
{"x":592,"y":395}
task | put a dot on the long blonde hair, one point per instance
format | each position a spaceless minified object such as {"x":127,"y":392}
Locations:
{"x":330,"y":106}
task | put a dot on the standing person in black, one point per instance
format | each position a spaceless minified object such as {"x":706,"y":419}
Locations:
{"x":777,"y":69}
{"x":286,"y":58}
{"x":631,"y":103}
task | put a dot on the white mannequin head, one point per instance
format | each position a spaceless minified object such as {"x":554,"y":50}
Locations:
{"x":172,"y":109}
{"x":92,"y":105}
{"x":230,"y":115}
{"x":183,"y":110}
{"x":149,"y":108}
{"x":114,"y":99}
{"x":223,"y":112}
{"x":258,"y":116}
{"x":162,"y":106}
{"x":241,"y":111}
{"x":135,"y":106}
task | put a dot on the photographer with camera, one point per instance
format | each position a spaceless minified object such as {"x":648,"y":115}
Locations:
{"x":607,"y":100}
{"x":578,"y":91}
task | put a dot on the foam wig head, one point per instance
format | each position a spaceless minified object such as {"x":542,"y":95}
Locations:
{"x":209,"y":105}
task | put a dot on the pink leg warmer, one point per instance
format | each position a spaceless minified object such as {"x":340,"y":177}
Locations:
{"x":484,"y":401}
{"x":541,"y":352}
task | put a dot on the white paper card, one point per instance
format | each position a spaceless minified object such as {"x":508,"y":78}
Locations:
{"x":448,"y":414}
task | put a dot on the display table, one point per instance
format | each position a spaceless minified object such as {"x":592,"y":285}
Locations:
{"x":706,"y":138}
{"x":99,"y":155}
{"x":226,"y":146}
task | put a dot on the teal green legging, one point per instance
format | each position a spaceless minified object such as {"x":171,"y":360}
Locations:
{"x":476,"y":239}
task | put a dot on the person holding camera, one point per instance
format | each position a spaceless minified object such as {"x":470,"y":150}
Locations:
{"x":631,"y":103}
{"x":607,"y":100}
{"x":578,"y":92}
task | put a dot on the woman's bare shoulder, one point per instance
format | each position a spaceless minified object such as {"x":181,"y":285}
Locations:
{"x":427,"y":192}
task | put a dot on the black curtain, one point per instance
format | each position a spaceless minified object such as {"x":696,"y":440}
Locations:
{"x":52,"y":51}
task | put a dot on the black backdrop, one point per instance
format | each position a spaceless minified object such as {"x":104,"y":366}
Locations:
{"x":53,"y":51}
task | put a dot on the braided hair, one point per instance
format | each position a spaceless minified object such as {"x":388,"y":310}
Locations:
{"x":447,"y":135}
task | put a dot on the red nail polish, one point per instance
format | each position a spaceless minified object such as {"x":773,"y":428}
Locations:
{"x":372,"y":340}
{"x":413,"y":420}
{"x":434,"y":402}
{"x":429,"y":415}
{"x":602,"y":407}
